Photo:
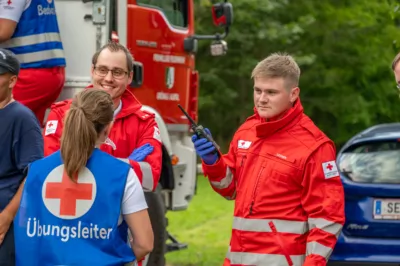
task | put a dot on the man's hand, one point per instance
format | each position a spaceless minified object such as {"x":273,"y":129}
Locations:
{"x":5,"y":222}
{"x":140,"y":153}
{"x":205,"y":149}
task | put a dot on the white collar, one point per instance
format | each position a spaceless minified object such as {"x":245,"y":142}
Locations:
{"x":116,"y":111}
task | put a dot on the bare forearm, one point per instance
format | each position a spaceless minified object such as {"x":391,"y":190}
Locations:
{"x":13,"y":206}
{"x":143,"y":245}
{"x":140,"y":252}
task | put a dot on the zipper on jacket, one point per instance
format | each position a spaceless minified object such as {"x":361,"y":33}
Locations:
{"x":253,"y":197}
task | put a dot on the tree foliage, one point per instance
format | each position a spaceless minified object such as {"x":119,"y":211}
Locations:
{"x":344,"y":49}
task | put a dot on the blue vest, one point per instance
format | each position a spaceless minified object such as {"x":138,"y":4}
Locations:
{"x":64,"y":223}
{"x":36,"y":40}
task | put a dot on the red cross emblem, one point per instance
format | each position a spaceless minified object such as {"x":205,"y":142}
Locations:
{"x":68,"y":192}
{"x":244,"y":144}
{"x":50,"y":124}
{"x":9,"y":2}
{"x":329,"y":166}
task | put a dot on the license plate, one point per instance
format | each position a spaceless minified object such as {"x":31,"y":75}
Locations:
{"x":387,"y":209}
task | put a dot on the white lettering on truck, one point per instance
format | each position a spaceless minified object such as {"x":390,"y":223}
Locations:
{"x":165,"y":58}
{"x":164,"y":96}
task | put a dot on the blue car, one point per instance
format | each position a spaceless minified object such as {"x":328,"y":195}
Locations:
{"x":369,"y":165}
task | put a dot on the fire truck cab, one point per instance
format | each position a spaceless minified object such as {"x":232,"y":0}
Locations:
{"x":161,"y":36}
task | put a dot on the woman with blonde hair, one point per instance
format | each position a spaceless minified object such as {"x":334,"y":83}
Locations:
{"x":78,"y":202}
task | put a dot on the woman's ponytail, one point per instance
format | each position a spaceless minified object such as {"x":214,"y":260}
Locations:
{"x":90,"y":112}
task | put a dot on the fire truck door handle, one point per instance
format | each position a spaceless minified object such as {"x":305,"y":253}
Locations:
{"x":88,"y":17}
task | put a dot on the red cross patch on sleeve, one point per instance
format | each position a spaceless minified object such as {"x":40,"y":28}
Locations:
{"x":157,"y":134}
{"x":51,"y":127}
{"x":330,"y":169}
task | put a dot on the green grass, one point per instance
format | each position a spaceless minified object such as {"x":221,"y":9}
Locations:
{"x":205,"y":226}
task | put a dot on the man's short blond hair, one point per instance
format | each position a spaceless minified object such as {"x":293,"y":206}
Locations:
{"x":278,"y":65}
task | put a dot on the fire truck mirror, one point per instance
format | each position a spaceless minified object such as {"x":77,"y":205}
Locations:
{"x":190,"y":45}
{"x":137,"y":79}
{"x":222,"y":14}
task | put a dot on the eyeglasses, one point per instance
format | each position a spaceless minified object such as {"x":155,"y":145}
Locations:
{"x":117,"y":73}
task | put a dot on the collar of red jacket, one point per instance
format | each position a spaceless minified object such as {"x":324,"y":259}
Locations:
{"x":130,"y":104}
{"x":293,"y":115}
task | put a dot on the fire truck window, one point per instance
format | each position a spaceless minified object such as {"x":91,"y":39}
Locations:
{"x":176,"y":11}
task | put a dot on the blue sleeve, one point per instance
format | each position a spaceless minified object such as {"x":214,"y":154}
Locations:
{"x":29,"y":146}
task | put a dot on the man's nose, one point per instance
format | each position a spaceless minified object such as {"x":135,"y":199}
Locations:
{"x":109,"y":76}
{"x":264,"y":97}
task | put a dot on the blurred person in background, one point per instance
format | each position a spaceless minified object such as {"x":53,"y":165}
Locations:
{"x":281,"y":171}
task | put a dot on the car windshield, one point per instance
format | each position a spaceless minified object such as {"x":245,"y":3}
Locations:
{"x":373,"y":162}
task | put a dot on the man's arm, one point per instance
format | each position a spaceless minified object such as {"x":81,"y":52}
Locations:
{"x":52,"y":132}
{"x":26,"y":150}
{"x":29,"y":147}
{"x":10,"y":13}
{"x":323,"y":201}
{"x":11,"y":209}
{"x":9,"y":212}
{"x":149,"y":170}
{"x":221,"y":175}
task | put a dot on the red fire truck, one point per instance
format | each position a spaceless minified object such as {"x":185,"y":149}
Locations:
{"x":161,"y":36}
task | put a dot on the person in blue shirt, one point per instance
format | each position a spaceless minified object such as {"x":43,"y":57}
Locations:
{"x":76,"y":202}
{"x":21,"y":143}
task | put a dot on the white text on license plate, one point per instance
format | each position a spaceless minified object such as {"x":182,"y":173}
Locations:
{"x":387,"y":209}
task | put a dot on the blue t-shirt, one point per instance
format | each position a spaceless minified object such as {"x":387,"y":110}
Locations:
{"x":21,"y":143}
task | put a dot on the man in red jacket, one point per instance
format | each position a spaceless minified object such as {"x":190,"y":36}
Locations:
{"x":112,"y":71}
{"x":280,"y":170}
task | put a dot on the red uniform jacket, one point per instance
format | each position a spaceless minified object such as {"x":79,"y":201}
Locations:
{"x":289,"y":200}
{"x":132,"y":128}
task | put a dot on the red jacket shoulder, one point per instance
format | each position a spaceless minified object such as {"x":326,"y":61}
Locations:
{"x":307,"y":133}
{"x":61,"y":107}
{"x":144,"y":115}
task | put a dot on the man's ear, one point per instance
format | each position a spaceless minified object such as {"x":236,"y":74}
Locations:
{"x":130,"y":77}
{"x":294,"y":94}
{"x":13,"y":81}
{"x":92,"y":70}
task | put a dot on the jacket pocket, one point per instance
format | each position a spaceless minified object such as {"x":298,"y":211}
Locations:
{"x":280,"y":178}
